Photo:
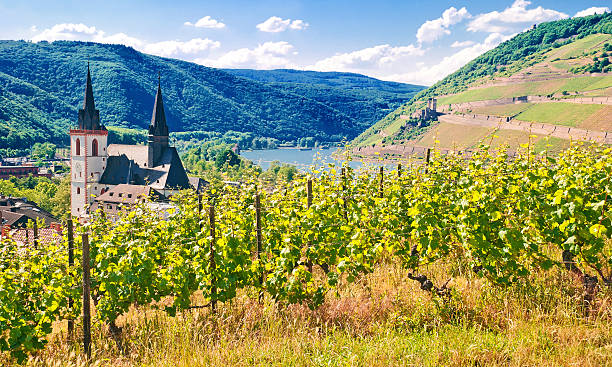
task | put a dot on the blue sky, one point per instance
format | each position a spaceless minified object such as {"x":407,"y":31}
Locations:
{"x":408,"y":41}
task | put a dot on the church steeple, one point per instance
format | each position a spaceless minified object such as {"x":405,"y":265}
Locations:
{"x":158,"y":125}
{"x":88,"y":103}
{"x":158,"y":130}
{"x":89,"y":117}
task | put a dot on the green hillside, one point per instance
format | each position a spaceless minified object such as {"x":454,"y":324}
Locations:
{"x":521,"y":51}
{"x":41,"y":87}
{"x":559,"y":60}
{"x":362,"y":98}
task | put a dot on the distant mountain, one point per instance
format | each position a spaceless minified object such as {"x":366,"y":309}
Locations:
{"x":41,"y":87}
{"x":364,"y":99}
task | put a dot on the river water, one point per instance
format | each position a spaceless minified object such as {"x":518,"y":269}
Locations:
{"x":304,"y":160}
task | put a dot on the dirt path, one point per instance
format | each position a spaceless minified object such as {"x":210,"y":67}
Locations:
{"x":563,"y":132}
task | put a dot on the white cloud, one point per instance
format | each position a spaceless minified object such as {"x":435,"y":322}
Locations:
{"x":169,"y":48}
{"x":277,"y":24}
{"x":268,"y":55}
{"x":430,"y":74}
{"x":591,"y":11}
{"x":514,"y":18}
{"x":82,"y":32}
{"x":380,"y":56}
{"x":206,"y":22}
{"x":458,"y":44}
{"x":431,"y":30}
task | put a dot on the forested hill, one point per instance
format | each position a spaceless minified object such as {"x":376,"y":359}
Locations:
{"x":41,"y":87}
{"x":362,"y":98}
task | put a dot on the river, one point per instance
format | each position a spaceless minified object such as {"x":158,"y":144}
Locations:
{"x":302,"y":159}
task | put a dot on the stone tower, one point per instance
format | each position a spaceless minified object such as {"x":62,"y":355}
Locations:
{"x":88,"y":143}
{"x":158,"y":130}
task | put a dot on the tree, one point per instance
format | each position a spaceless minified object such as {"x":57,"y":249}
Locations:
{"x":41,"y":151}
{"x":226,"y":156}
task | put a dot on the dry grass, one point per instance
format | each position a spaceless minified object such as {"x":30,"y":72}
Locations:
{"x":383,"y":319}
{"x":600,"y":120}
{"x":454,"y":136}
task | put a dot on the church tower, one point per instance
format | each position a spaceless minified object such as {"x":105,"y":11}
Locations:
{"x":158,"y":130}
{"x":88,"y":143}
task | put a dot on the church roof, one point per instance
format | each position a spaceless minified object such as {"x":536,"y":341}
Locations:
{"x":121,"y":168}
{"x":199,"y":184}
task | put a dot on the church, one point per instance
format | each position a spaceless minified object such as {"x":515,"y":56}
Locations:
{"x":99,"y":169}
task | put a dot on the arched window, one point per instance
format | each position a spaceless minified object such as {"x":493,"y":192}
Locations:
{"x":78,"y":191}
{"x":78,"y":146}
{"x":94,"y":148}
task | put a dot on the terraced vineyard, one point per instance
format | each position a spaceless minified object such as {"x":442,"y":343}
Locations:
{"x":563,"y":61}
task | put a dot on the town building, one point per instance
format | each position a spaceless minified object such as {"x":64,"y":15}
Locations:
{"x":98,"y":168}
{"x":124,"y":196}
{"x":17,"y":212}
{"x":22,"y":171}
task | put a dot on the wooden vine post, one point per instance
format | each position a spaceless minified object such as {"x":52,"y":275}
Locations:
{"x":35,"y":230}
{"x":259,"y":240}
{"x":309,"y":193}
{"x":86,"y":293}
{"x":70,"y":266}
{"x":309,"y":204}
{"x":399,"y":170}
{"x":344,"y":196}
{"x":382,"y":177}
{"x":427,"y":157}
{"x":200,"y":211}
{"x":213,"y":280}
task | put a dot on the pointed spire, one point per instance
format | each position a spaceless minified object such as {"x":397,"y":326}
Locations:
{"x":158,"y":125}
{"x":89,"y":117}
{"x":88,"y":101}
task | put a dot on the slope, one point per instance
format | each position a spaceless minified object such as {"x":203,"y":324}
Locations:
{"x":557,"y":73}
{"x":362,"y":98}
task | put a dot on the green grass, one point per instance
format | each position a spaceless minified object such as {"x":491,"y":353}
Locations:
{"x":601,"y":82}
{"x":567,"y":114}
{"x":503,"y":110}
{"x":579,"y":47}
{"x":563,"y":65}
{"x":586,"y":83}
